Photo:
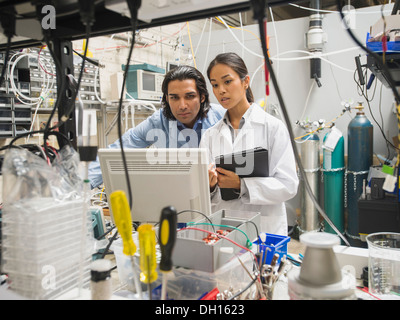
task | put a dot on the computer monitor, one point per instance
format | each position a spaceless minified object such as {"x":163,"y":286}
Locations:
{"x":171,"y":65}
{"x":159,"y":177}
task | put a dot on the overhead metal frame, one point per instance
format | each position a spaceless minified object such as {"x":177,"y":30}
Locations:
{"x":70,"y":28}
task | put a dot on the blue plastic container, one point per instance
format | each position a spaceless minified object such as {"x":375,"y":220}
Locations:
{"x":376,"y":46}
{"x":274,"y":243}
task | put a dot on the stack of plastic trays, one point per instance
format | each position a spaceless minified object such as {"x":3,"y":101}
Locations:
{"x":46,"y":247}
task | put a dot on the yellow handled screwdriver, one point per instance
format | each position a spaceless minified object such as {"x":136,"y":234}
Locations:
{"x":167,"y":237}
{"x":123,"y":221}
{"x":148,"y":261}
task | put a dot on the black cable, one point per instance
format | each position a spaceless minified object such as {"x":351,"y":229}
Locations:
{"x":366,"y":90}
{"x":93,"y":62}
{"x":87,"y":18}
{"x":86,"y":11}
{"x":59,"y":72}
{"x":65,"y":117}
{"x":251,"y":222}
{"x":199,"y":212}
{"x":48,"y":154}
{"x":120,"y":128}
{"x":3,"y":71}
{"x":9,"y":147}
{"x":290,"y":232}
{"x":72,"y":107}
{"x":244,"y":289}
{"x":259,"y":15}
{"x":112,"y":228}
{"x":109,"y":244}
{"x":294,"y":261}
{"x":8,"y":24}
{"x":105,"y":233}
{"x":54,"y":133}
{"x":364,"y":94}
{"x":47,"y":130}
{"x":380,"y":113}
{"x":380,"y":63}
{"x":134,"y":6}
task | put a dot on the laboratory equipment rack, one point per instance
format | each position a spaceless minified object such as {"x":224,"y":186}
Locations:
{"x":15,"y":116}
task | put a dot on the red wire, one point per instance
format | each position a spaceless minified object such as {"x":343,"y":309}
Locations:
{"x":384,"y":43}
{"x":364,"y":289}
{"x":41,"y":64}
{"x":235,"y":243}
{"x":220,"y":236}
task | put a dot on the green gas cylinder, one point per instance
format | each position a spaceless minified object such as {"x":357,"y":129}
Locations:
{"x":333,"y":174}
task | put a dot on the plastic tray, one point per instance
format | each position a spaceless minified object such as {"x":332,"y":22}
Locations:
{"x":32,"y":286}
{"x":38,"y":234}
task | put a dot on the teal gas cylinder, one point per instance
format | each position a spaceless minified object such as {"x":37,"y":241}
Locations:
{"x":359,"y":160}
{"x":333,"y":174}
{"x":309,"y":219}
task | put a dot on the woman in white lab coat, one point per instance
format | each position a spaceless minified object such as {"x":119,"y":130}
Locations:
{"x":245,"y":126}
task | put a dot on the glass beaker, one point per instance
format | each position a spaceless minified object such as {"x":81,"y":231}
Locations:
{"x":384,"y":265}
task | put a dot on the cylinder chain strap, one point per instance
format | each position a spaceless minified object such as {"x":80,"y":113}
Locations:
{"x":355,"y":174}
{"x":312,"y":170}
{"x":330,"y":170}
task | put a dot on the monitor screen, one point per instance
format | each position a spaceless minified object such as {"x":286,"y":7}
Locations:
{"x":160,"y":177}
{"x":171,"y":65}
{"x":148,"y":81}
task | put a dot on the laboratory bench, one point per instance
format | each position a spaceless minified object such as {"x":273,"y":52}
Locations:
{"x":357,"y":257}
{"x":120,"y":291}
{"x":229,"y":278}
{"x":353,"y":257}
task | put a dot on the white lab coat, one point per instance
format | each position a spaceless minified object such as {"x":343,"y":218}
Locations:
{"x":265,"y":195}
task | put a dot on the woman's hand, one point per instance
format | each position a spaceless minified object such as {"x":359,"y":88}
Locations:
{"x":227,"y":179}
{"x":212,"y":176}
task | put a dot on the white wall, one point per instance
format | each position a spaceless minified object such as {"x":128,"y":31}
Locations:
{"x":155,"y":46}
{"x":293,"y":77}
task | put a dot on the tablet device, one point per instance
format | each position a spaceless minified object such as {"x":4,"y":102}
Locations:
{"x":246,"y":163}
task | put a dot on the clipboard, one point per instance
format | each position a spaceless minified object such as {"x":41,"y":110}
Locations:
{"x":247,"y":163}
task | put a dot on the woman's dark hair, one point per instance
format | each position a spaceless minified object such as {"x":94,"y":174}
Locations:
{"x":183,"y":73}
{"x":235,"y":62}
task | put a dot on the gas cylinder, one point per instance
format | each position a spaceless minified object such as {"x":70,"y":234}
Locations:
{"x":333,"y":175}
{"x":309,"y":220}
{"x":359,"y":160}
